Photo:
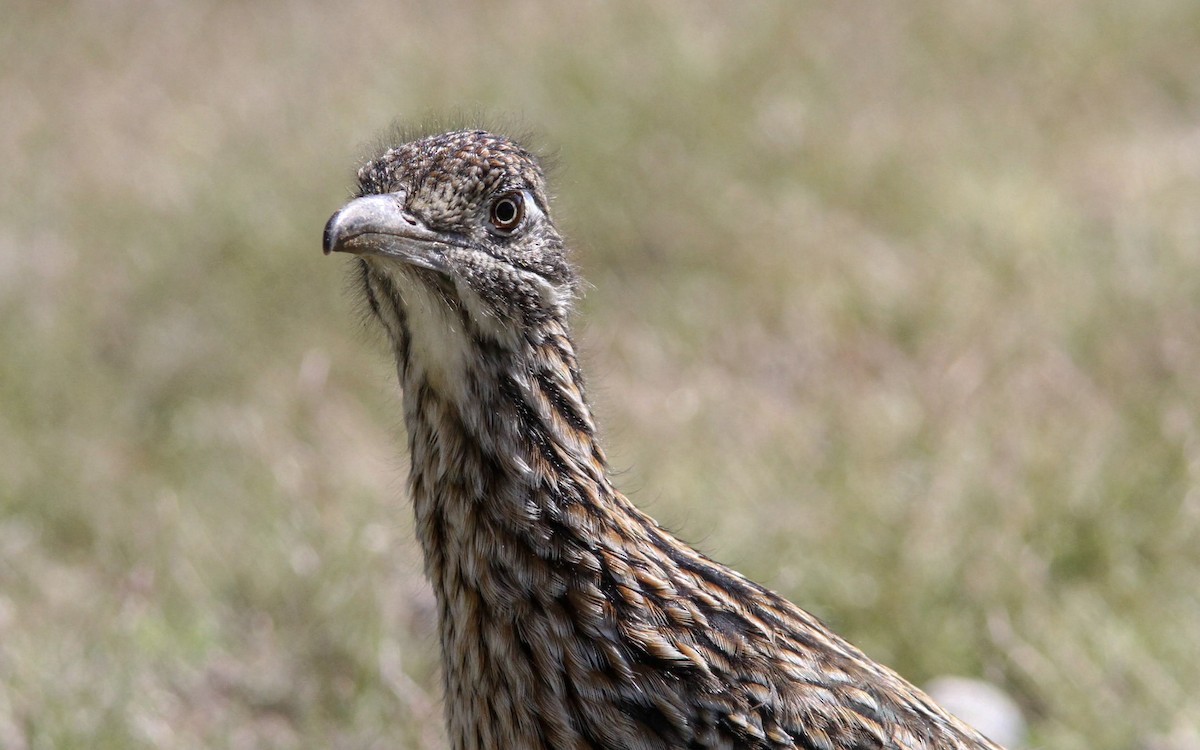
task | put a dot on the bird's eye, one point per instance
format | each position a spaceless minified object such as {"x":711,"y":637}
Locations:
{"x":507,"y":212}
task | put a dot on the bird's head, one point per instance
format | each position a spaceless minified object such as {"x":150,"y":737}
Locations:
{"x":460,"y":223}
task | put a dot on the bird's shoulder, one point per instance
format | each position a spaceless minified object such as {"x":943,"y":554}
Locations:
{"x":735,"y":665}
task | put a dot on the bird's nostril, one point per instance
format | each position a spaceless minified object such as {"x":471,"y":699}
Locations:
{"x":327,"y":243}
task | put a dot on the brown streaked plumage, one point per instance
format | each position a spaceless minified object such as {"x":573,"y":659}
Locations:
{"x":569,"y":618}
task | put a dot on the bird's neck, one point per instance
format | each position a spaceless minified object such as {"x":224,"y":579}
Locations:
{"x":526,"y":542}
{"x":504,"y":455}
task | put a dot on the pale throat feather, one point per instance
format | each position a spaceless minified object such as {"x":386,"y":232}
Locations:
{"x":439,"y":346}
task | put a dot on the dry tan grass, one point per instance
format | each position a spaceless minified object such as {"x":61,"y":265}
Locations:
{"x":894,"y":306}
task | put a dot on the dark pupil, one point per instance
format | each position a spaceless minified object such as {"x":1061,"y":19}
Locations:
{"x":506,"y":211}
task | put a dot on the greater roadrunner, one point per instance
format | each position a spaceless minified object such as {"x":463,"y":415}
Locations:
{"x":569,"y":618}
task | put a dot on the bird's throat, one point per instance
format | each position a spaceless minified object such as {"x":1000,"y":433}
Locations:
{"x":501,"y":438}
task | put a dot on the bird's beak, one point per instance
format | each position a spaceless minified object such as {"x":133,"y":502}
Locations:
{"x":379,"y":225}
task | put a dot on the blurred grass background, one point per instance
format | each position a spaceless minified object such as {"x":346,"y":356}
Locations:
{"x":895,"y":306}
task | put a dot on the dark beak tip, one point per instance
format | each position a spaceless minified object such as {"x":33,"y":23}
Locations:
{"x":327,"y":241}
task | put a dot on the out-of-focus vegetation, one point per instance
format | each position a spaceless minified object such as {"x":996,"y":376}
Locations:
{"x":894,"y":306}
